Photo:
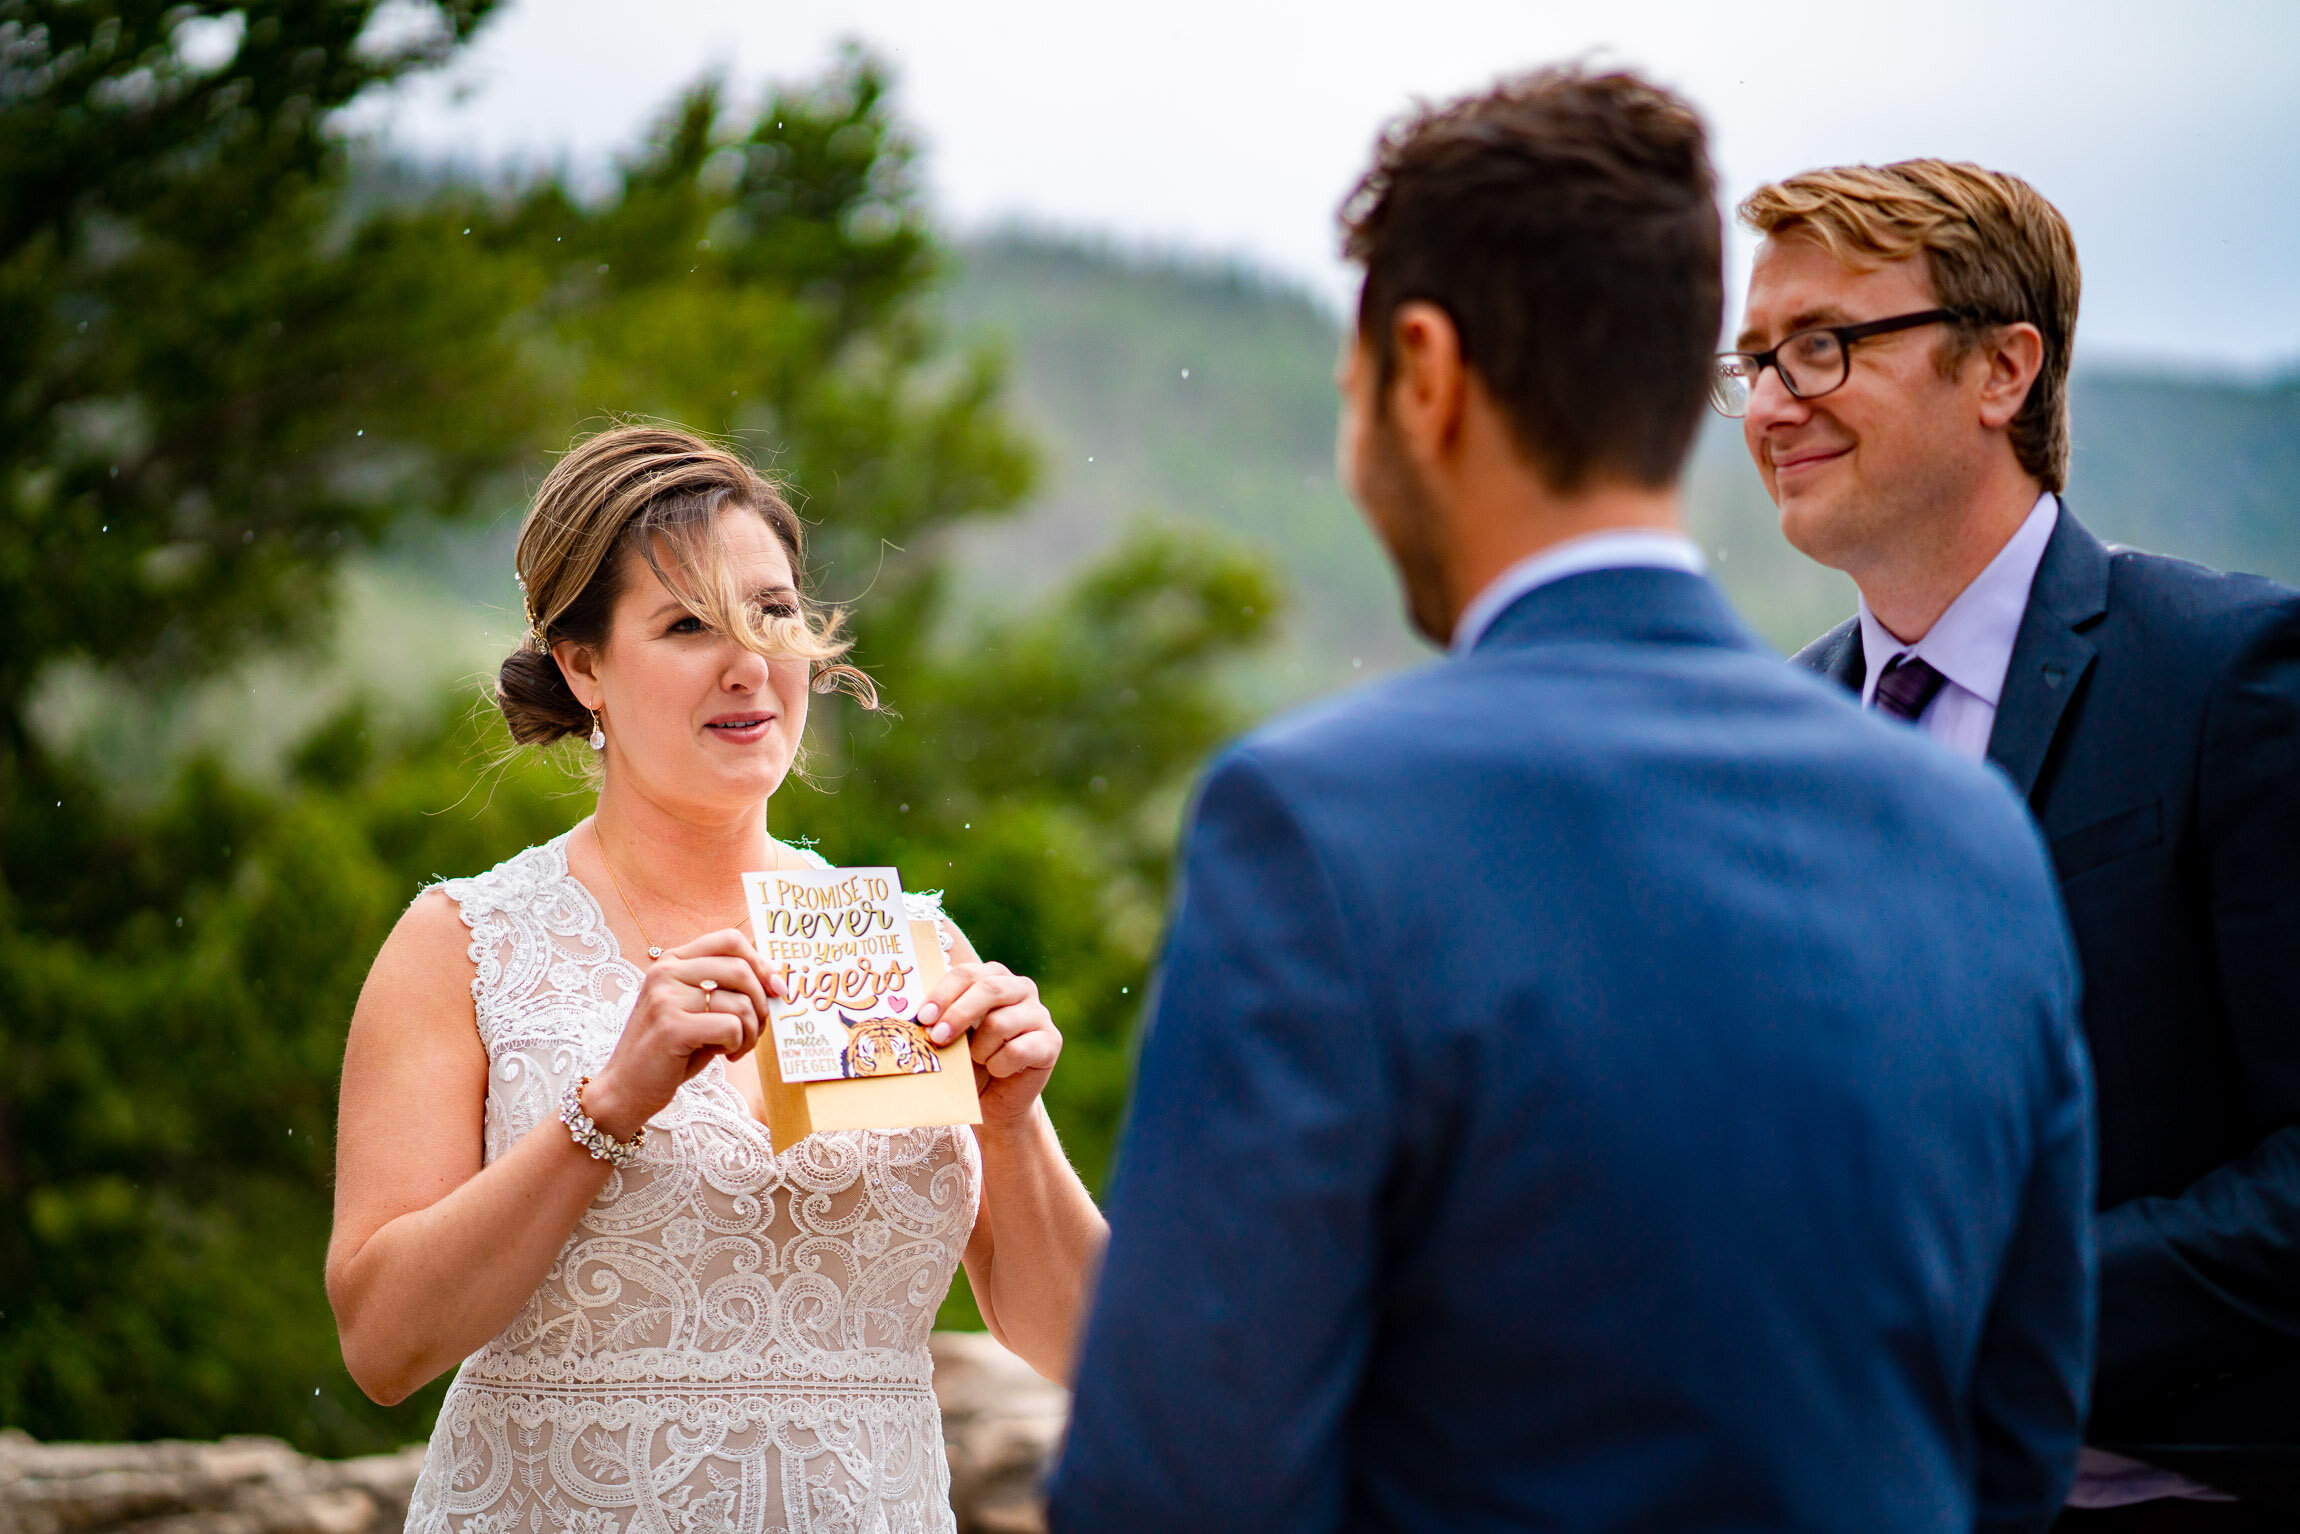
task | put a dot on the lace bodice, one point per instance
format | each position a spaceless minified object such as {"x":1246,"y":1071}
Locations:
{"x":731,"y":1342}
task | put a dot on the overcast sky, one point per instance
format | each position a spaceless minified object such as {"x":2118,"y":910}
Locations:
{"x":2169,"y":133}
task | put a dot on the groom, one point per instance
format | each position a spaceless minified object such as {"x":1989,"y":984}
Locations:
{"x":1602,"y":1081}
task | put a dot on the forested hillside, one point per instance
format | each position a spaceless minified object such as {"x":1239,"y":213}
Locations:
{"x":1160,"y":390}
{"x":1163,"y":389}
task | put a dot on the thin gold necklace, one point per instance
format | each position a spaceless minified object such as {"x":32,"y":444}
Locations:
{"x":654,"y":951}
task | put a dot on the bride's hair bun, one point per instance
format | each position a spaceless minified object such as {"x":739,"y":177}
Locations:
{"x":655,"y":491}
{"x":535,"y":699}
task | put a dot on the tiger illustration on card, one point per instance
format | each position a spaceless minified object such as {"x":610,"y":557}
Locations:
{"x":886,"y":1046}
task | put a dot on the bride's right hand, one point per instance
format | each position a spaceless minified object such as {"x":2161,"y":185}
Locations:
{"x":697,"y":1002}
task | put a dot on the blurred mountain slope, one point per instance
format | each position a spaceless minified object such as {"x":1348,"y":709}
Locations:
{"x":1166,"y":389}
{"x":2202,"y":468}
{"x":1099,"y":340}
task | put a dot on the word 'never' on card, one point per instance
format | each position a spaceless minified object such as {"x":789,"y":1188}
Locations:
{"x":840,"y":943}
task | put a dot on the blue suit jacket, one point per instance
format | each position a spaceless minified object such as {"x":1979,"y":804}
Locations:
{"x":1604,"y":1082}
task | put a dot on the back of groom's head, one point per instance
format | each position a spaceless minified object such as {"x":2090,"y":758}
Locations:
{"x":1567,"y":223}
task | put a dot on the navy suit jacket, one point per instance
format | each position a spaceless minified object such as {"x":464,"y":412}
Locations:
{"x":1599,"y":1083}
{"x":2151,"y":716}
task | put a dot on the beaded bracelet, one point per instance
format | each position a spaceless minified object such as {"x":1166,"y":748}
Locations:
{"x":602,"y":1145}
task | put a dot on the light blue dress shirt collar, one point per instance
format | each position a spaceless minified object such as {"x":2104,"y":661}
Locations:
{"x":1619,"y":549}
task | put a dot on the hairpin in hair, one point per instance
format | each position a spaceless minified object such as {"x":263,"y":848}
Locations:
{"x":534,"y":623}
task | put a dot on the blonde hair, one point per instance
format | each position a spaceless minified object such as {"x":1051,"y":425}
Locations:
{"x":1997,"y":252}
{"x":657,"y":492}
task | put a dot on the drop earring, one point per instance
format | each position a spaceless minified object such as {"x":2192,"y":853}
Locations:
{"x":598,"y":732}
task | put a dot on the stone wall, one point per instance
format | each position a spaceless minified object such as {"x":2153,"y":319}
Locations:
{"x":1001,"y":1423}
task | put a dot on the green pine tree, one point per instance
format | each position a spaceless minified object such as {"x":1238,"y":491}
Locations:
{"x":235,"y":358}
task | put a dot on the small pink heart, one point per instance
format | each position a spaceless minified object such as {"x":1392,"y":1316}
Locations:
{"x":899,"y":1003}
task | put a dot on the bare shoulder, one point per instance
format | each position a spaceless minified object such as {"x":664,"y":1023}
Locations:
{"x":432,"y":926}
{"x":428,"y":943}
{"x":420,"y":984}
{"x":409,"y":1122}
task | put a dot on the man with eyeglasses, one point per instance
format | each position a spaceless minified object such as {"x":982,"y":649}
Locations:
{"x":1902,"y":378}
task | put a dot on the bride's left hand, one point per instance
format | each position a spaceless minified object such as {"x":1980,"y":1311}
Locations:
{"x":1014,"y":1043}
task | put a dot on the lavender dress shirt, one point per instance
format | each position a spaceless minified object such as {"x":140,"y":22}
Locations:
{"x":1970,"y":644}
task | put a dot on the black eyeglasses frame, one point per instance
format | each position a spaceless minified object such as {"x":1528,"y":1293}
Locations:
{"x":1846,"y":336}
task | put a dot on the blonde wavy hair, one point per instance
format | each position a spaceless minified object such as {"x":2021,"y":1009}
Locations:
{"x":655,"y":491}
{"x":1998,"y":254}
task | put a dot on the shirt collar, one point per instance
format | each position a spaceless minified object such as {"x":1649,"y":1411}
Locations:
{"x":1971,"y":643}
{"x":1620,"y":549}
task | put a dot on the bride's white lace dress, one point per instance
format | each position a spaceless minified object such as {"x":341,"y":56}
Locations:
{"x":731,"y":1342}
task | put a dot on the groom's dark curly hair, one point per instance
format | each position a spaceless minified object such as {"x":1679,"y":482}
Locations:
{"x":1567,"y":222}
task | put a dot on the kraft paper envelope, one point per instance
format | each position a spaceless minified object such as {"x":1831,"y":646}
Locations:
{"x":795,"y":1110}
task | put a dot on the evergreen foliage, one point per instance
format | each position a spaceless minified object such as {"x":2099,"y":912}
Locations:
{"x":212,"y":386}
{"x":282,"y":360}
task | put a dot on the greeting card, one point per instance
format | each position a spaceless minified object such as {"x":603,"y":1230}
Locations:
{"x":844,"y":1048}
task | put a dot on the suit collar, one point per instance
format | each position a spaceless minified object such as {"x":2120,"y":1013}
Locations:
{"x":2072,"y":578}
{"x":1616,"y":548}
{"x":1838,"y":655}
{"x":2052,"y":655}
{"x":1633,"y":605}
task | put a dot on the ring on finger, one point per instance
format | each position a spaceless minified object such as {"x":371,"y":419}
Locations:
{"x":710,"y":993}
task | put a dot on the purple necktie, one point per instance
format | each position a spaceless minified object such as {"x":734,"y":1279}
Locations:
{"x":1906,"y":687}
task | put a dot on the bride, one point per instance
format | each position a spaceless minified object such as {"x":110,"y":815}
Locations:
{"x":545,"y":1169}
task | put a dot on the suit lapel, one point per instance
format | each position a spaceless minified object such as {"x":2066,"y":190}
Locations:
{"x":2051,"y":655}
{"x":1837,"y":655}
